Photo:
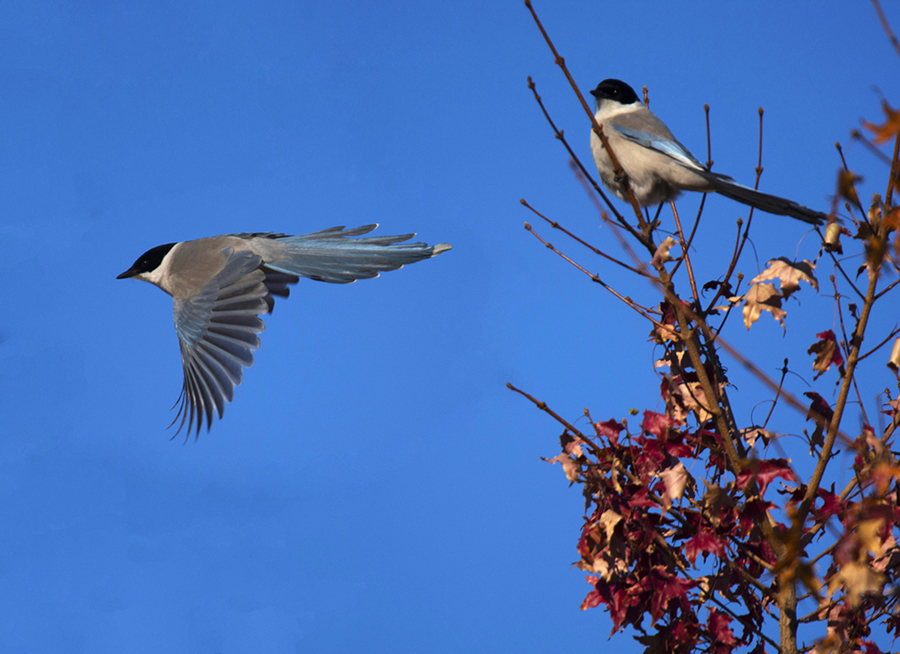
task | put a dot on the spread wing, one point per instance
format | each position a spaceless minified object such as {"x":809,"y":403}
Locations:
{"x":217,"y":331}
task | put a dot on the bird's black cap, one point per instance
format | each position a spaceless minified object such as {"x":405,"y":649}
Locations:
{"x":148,"y":261}
{"x":614,"y":89}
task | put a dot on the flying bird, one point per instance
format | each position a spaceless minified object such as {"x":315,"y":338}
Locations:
{"x":658,"y":167}
{"x":222,"y":284}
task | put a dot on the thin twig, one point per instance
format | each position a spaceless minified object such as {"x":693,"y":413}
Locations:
{"x":784,"y":371}
{"x":834,"y":424}
{"x":643,"y":311}
{"x":893,"y":333}
{"x":895,"y":172}
{"x":846,"y":342}
{"x":543,"y":407}
{"x":685,"y":256}
{"x":886,"y":289}
{"x":556,"y":225}
{"x":840,"y":269}
{"x":558,"y":133}
{"x":886,"y":26}
{"x":598,"y":129}
{"x":856,"y":135}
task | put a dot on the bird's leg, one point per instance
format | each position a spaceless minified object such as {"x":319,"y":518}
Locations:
{"x":655,"y":220}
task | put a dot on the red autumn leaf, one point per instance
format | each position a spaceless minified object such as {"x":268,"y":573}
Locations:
{"x":870,"y":648}
{"x":831,"y":505}
{"x":639,"y":499}
{"x":718,"y":627}
{"x":593,"y":598}
{"x":666,"y":587}
{"x":618,"y":603}
{"x":656,"y":424}
{"x":894,"y":408}
{"x":753,"y":512}
{"x":610,"y":429}
{"x":704,"y":541}
{"x":685,"y":633}
{"x":818,"y":408}
{"x":827,"y":352}
{"x":764,"y":471}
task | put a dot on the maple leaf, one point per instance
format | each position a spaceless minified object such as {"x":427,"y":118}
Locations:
{"x":717,"y":503}
{"x":789,"y":274}
{"x":833,"y":234}
{"x":827,"y":353}
{"x":667,"y":329}
{"x":611,"y":429}
{"x":894,"y":362}
{"x":831,"y":505}
{"x":654,"y":643}
{"x":764,"y":471}
{"x":885,"y":558}
{"x":822,"y":414}
{"x":883,"y":474}
{"x":759,"y":649}
{"x":869,"y":647}
{"x":704,"y":541}
{"x":750,"y":434}
{"x":718,"y":627}
{"x":851,"y":554}
{"x":675,"y":479}
{"x":818,"y":408}
{"x":656,"y":423}
{"x":752,"y":513}
{"x":593,"y":598}
{"x":666,"y":587}
{"x":661,"y":255}
{"x":571,"y":445}
{"x":608,"y":520}
{"x":569,"y":466}
{"x":887,"y":131}
{"x":762,"y":297}
{"x":856,"y":578}
{"x":685,"y":396}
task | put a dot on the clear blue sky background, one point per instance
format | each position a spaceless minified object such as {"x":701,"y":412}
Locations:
{"x":374,"y":486}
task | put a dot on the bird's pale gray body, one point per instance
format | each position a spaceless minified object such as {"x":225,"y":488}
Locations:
{"x":658,"y":167}
{"x":222,"y":284}
{"x":650,"y":187}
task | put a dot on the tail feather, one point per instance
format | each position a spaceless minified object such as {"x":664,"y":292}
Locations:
{"x":330,"y":256}
{"x":763,"y":201}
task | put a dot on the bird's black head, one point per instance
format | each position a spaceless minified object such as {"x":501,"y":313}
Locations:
{"x":616,"y":90}
{"x":148,"y":261}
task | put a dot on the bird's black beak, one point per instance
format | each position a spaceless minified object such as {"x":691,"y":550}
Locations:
{"x":131,"y":272}
{"x":596,"y":92}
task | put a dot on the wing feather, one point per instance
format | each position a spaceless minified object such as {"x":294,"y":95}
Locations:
{"x":218,"y":331}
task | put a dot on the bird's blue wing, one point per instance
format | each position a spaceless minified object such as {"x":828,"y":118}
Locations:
{"x":217,"y":331}
{"x":668,"y":147}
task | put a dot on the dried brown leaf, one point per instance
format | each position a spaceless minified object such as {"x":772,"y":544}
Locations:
{"x":789,"y":274}
{"x":762,"y":297}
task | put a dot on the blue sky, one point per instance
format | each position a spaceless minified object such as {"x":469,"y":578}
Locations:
{"x":374,"y":486}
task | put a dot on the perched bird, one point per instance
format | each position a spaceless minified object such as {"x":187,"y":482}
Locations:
{"x":658,"y":167}
{"x":222,"y":284}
